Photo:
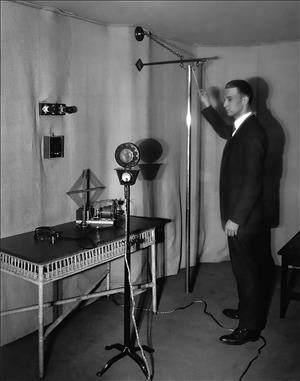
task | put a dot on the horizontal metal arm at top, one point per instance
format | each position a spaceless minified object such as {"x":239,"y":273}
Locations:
{"x":140,"y":63}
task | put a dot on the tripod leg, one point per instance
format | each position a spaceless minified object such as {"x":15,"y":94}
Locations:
{"x":147,"y":349}
{"x":140,"y":362}
{"x":110,"y":363}
{"x":120,"y":347}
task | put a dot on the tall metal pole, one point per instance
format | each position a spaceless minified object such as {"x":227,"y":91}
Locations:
{"x":127,"y":325}
{"x":188,"y":178}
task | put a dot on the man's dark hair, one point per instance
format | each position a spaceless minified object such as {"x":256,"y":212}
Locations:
{"x":242,"y":86}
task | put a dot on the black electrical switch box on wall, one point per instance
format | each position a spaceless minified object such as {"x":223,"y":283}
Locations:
{"x":53,"y":147}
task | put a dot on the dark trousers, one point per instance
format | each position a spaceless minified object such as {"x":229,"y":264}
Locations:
{"x":253,"y":268}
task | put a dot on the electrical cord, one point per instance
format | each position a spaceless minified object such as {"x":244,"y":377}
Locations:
{"x":212,"y":317}
{"x":254,"y":358}
{"x":133,"y":301}
{"x":134,"y":321}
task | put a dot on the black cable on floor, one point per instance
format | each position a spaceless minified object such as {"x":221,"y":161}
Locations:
{"x":190,"y":304}
{"x":254,"y":358}
{"x":215,"y":320}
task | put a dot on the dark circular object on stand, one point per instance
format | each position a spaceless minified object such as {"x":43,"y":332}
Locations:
{"x":127,"y":155}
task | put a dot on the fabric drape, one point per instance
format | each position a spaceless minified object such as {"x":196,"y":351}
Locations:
{"x":47,"y":57}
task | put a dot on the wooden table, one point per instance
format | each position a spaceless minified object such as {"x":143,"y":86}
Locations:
{"x":41,"y":262}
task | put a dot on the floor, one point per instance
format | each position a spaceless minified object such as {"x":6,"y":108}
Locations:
{"x":185,"y":341}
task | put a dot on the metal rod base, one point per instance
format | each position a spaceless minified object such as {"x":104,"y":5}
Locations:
{"x":127,"y":351}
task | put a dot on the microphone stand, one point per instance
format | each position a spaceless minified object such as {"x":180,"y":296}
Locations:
{"x":128,"y":348}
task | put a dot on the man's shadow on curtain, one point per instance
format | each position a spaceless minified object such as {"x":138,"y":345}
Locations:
{"x":273,"y":172}
{"x":276,"y":141}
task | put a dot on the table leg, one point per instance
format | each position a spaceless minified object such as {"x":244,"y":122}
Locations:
{"x":57,"y":295}
{"x":108,"y":268}
{"x":153,"y":274}
{"x":41,"y":323}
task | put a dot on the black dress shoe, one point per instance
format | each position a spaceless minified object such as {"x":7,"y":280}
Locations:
{"x":231,"y":313}
{"x":240,"y":336}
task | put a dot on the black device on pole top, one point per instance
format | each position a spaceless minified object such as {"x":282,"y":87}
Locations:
{"x":139,"y":33}
{"x":127,"y":155}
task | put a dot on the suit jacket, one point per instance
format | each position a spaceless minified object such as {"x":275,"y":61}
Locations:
{"x":242,"y":171}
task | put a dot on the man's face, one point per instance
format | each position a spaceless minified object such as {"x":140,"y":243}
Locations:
{"x":234,"y":102}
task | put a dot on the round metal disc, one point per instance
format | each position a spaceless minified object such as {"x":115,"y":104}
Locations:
{"x":127,"y":155}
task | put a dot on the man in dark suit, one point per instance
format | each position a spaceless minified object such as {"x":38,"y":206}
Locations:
{"x":241,"y":204}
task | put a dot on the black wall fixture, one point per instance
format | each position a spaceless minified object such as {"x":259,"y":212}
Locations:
{"x":56,"y":109}
{"x":53,"y":147}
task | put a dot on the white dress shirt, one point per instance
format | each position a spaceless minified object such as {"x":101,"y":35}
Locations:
{"x":239,"y":121}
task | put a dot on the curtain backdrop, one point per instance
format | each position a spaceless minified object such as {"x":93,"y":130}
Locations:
{"x":48,"y":57}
